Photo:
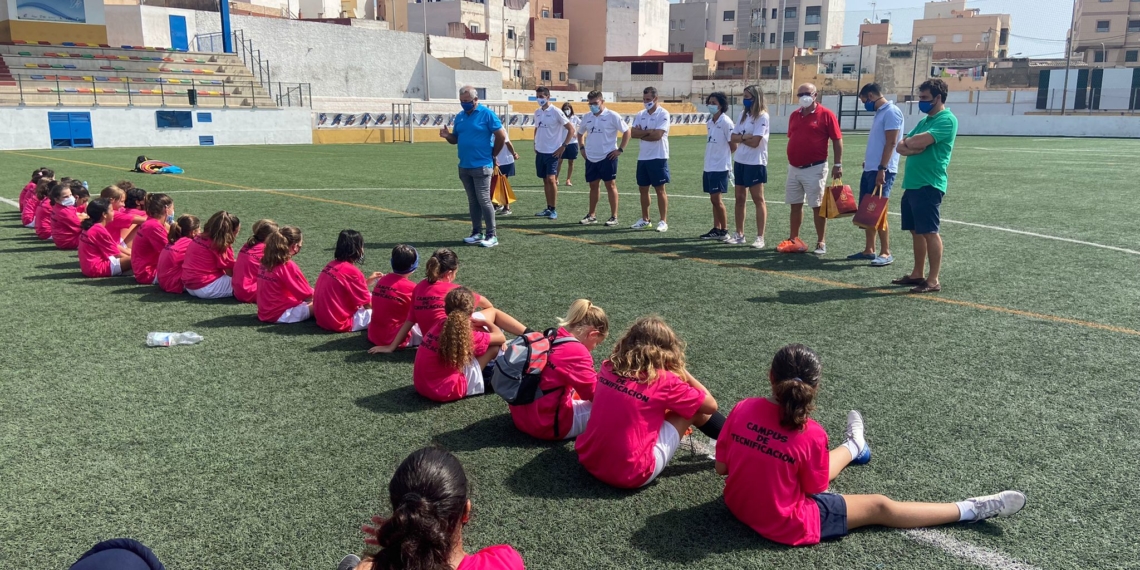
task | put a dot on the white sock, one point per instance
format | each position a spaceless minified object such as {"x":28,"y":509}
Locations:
{"x":853,"y":448}
{"x":966,"y":508}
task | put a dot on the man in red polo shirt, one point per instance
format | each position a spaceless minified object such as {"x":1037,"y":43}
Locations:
{"x":809,"y":129}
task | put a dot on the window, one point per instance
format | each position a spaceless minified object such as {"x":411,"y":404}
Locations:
{"x":730,"y":15}
{"x":774,"y":13}
{"x":929,"y":39}
{"x":811,"y":40}
{"x":681,"y":48}
{"x":174,"y":119}
{"x":791,"y":13}
{"x":681,"y":24}
{"x":474,"y":28}
{"x":813,"y":15}
{"x":755,"y":38}
{"x":772,"y":38}
{"x":1134,"y":25}
{"x":726,"y":40}
{"x":646,"y":68}
{"x":957,"y":38}
{"x":545,"y":13}
{"x":1098,"y":56}
{"x":848,"y":68}
{"x":518,"y":73}
{"x":562,"y":76}
{"x":551,"y":44}
{"x":1130,"y":55}
{"x":205,"y":117}
{"x":1102,"y":25}
{"x":510,"y":33}
{"x":672,"y":24}
{"x":545,"y":75}
{"x":789,"y":38}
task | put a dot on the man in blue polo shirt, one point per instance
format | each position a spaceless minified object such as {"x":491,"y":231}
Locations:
{"x":880,"y":165}
{"x":480,"y":136}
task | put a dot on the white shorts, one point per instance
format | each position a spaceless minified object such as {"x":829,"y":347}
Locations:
{"x":221,"y":287}
{"x":668,"y":440}
{"x":155,"y":282}
{"x":116,"y":266}
{"x":297,"y":314}
{"x":415,"y":337}
{"x":806,"y":185}
{"x":31,"y":224}
{"x":474,"y":374}
{"x":361,"y":319}
{"x":581,"y":416}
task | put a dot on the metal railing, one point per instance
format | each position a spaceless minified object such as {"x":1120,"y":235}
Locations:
{"x":127,"y":92}
{"x":243,"y":48}
{"x":289,"y":95}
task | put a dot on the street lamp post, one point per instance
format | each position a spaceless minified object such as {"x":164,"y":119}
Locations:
{"x":859,"y":69}
{"x":914,"y":72}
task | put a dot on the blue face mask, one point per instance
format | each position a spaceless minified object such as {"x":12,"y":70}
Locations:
{"x":925,"y":106}
{"x":170,"y":219}
{"x":595,"y":109}
{"x":467,"y":105}
{"x":714,"y":109}
{"x":869,"y":106}
{"x":747,"y":104}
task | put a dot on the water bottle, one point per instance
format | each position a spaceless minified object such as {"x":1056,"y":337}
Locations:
{"x":172,"y":339}
{"x":85,"y":184}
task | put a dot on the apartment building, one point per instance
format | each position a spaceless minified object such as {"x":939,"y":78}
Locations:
{"x":759,"y":24}
{"x":549,"y":36}
{"x":959,"y":32}
{"x":1107,"y":32}
{"x":613,"y":28}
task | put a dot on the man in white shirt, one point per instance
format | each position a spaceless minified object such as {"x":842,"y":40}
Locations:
{"x":598,"y":138}
{"x":651,"y":126}
{"x":552,"y":132}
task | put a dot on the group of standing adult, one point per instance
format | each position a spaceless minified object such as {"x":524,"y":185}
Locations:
{"x":736,"y":155}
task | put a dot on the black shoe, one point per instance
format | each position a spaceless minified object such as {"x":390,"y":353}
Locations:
{"x":712,"y":234}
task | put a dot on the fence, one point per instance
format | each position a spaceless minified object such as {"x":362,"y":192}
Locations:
{"x":125,"y":92}
{"x":243,"y":48}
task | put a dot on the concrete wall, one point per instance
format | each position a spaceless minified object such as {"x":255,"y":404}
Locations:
{"x":27,"y":128}
{"x":676,"y":81}
{"x":524,"y":95}
{"x":693,"y":37}
{"x":833,"y":21}
{"x":588,"y":32}
{"x":556,"y":62}
{"x":652,"y":26}
{"x":443,"y":46}
{"x":621,"y":28}
{"x":895,"y":72}
{"x":439,"y":15}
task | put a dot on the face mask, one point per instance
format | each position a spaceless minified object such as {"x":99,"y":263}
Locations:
{"x":595,"y":109}
{"x":68,"y":201}
{"x":869,"y":105}
{"x":747,"y":104}
{"x":566,"y":112}
{"x":170,"y":219}
{"x":806,"y":101}
{"x":467,"y":105}
{"x":925,"y":106}
{"x":649,"y":105}
{"x":714,"y":109}
{"x":541,"y":101}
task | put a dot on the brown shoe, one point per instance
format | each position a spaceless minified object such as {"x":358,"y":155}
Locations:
{"x":908,"y":280}
{"x":927,"y":288}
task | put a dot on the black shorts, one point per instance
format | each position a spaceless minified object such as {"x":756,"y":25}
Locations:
{"x":921,"y":210}
{"x":604,"y":170}
{"x":832,"y":516}
{"x":715,"y":182}
{"x":545,"y":164}
{"x":571,"y":152}
{"x":749,"y":175}
{"x":653,"y":172}
{"x":507,"y":170}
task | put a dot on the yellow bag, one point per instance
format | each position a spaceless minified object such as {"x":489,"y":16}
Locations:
{"x":501,"y":192}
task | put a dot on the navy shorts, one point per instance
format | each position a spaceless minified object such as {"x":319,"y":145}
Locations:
{"x":832,"y":516}
{"x":507,"y":170}
{"x":716,"y":182}
{"x":749,"y":175}
{"x":921,"y":210}
{"x":571,"y":152}
{"x":654,"y":172}
{"x":867,"y":184}
{"x":604,"y":170}
{"x":545,"y":165}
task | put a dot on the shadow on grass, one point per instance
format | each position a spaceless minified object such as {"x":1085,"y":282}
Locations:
{"x":345,"y":342}
{"x":424,"y":247}
{"x":494,"y":432}
{"x":46,"y":247}
{"x":67,"y":265}
{"x":691,"y":535}
{"x":225,"y":321}
{"x":360,"y":355}
{"x":401,"y":400}
{"x":827,"y":295}
{"x":556,"y":474}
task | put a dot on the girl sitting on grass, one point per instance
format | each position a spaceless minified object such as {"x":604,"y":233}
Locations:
{"x":283,"y":294}
{"x":42,"y":216}
{"x":151,"y":238}
{"x":450,"y":361}
{"x":342,"y":302}
{"x":431,"y":504}
{"x":644,"y":402}
{"x":130,"y":216}
{"x":392,"y":301}
{"x":168,"y":273}
{"x":569,"y":378}
{"x":100,"y":255}
{"x":779,"y":467}
{"x":28,"y":200}
{"x":208,"y":266}
{"x":248,"y":262}
{"x":65,"y":219}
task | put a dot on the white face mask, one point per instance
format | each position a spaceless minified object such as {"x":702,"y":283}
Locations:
{"x":541,"y":101}
{"x":68,"y":201}
{"x":806,"y":101}
{"x":650,"y":105}
{"x":566,"y":112}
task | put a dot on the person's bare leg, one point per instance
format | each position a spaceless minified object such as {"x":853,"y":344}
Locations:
{"x":558,"y":171}
{"x":569,"y":172}
{"x":761,"y":209}
{"x":867,"y":510}
{"x":595,"y":191}
{"x":884,"y":242}
{"x":934,"y":251}
{"x":644,"y":190}
{"x":488,"y":356}
{"x":869,"y":245}
{"x":720,"y":212}
{"x":838,"y":459}
{"x":612,"y":194}
{"x":740,"y":207}
{"x":919,"y":255}
{"x":683,"y":424}
{"x":662,"y":203}
{"x":820,"y":226}
{"x":796,"y":221}
{"x":504,"y":321}
{"x":550,"y":188}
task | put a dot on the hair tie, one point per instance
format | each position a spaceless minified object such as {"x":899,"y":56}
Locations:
{"x":412,"y":269}
{"x":797,"y":379}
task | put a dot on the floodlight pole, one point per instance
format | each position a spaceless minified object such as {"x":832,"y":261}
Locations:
{"x":427,"y":76}
{"x":1068,"y":58}
{"x":780,"y":62}
{"x":227,"y":34}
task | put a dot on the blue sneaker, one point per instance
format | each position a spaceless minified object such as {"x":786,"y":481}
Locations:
{"x":545,"y":213}
{"x":883,"y":261}
{"x":855,"y":434}
{"x":861,"y":256}
{"x":553,"y":215}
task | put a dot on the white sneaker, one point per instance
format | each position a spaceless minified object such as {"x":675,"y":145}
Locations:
{"x":821,"y":249}
{"x":473,"y":238}
{"x":662,"y":226}
{"x":612,"y":221}
{"x":1001,"y":504}
{"x":491,"y":241}
{"x":856,"y":431}
{"x":734,"y":239}
{"x":758,"y":244}
{"x":642,"y":223}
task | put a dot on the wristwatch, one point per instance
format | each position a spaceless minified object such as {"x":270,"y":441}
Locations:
{"x":839,"y":165}
{"x":622,"y":150}
{"x":881,"y":167}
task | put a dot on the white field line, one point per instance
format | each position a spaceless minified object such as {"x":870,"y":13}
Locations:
{"x":10,"y":203}
{"x":560,"y":191}
{"x":1055,"y":151}
{"x":977,"y":555}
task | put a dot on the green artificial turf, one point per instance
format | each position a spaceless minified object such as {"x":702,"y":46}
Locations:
{"x":267,"y":446}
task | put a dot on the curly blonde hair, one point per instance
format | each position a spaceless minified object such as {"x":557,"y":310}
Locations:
{"x":649,"y":347}
{"x":456,"y":346}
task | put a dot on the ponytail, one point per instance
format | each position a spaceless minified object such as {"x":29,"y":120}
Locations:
{"x":441,"y":262}
{"x":428,"y":493}
{"x":156,"y":205}
{"x":795,"y":376}
{"x":43,"y":188}
{"x":96,"y":211}
{"x":278,"y":247}
{"x":456,"y":347}
{"x":262,"y":229}
{"x":584,"y":313}
{"x":184,"y":226}
{"x":222,"y":229}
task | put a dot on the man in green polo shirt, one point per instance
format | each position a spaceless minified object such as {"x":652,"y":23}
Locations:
{"x":927,"y":149}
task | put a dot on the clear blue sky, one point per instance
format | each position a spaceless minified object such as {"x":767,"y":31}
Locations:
{"x":1037,"y":26}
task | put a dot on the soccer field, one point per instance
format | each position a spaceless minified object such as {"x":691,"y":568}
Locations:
{"x":267,"y":446}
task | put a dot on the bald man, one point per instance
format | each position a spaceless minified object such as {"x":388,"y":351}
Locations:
{"x":809,"y":130}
